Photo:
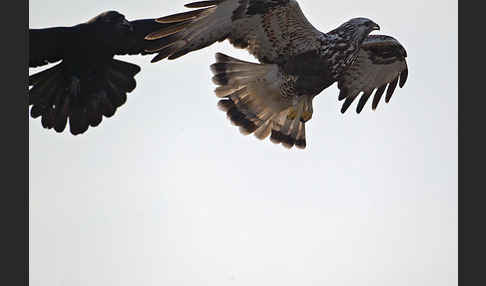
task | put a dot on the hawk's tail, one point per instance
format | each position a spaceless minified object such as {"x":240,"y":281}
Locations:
{"x":252,"y":101}
{"x":56,"y":96}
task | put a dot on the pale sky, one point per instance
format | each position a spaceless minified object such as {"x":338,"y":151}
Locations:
{"x":168,"y":192}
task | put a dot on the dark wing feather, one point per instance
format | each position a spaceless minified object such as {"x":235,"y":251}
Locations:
{"x":136,"y":42}
{"x":46,"y":45}
{"x":271,"y":30}
{"x":380,"y":62}
{"x":83,"y":93}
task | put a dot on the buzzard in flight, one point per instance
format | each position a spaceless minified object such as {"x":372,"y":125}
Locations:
{"x":87,"y":83}
{"x":274,"y":97}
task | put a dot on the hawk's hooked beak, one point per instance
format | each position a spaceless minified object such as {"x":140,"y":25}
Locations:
{"x":376,"y":27}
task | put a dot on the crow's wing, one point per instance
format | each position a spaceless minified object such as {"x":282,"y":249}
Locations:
{"x":136,"y":42}
{"x":380,"y":63}
{"x":271,"y":30}
{"x":46,"y":45}
{"x":84,"y":93}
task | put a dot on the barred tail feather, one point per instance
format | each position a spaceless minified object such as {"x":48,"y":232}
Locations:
{"x":253,"y":102}
{"x":289,"y":132}
{"x":56,"y":96}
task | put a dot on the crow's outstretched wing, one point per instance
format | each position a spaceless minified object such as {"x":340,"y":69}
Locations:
{"x":88,"y":84}
{"x":135,"y":42}
{"x":380,"y":63}
{"x":271,"y":30}
{"x":46,"y":45}
{"x":51,"y":44}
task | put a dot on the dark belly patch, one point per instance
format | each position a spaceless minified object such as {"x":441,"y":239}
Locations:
{"x":312,"y":72}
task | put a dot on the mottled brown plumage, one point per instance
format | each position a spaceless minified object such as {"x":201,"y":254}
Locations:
{"x":297,"y":62}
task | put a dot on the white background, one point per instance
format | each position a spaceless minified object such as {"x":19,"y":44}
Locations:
{"x":168,"y":192}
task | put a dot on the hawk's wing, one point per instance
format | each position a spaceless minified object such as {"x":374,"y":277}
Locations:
{"x":380,"y":63}
{"x":46,"y":45}
{"x":271,"y":30}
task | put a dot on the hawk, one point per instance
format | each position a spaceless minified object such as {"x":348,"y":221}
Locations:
{"x":88,"y":83}
{"x":296,"y":62}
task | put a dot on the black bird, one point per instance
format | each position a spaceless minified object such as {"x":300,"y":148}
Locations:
{"x":88,"y":82}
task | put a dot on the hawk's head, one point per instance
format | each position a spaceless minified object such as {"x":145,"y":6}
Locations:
{"x":357,"y":29}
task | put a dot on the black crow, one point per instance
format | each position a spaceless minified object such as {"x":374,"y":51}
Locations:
{"x":88,"y":82}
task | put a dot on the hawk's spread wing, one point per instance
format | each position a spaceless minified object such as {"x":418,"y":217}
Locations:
{"x":380,"y":63}
{"x":271,"y":30}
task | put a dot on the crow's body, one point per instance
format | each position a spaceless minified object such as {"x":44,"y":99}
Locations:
{"x":88,"y":82}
